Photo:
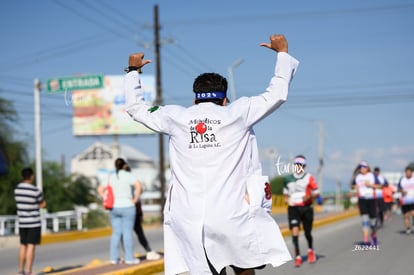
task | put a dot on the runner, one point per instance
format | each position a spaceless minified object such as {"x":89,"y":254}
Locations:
{"x":388,"y":194}
{"x":365,"y":185}
{"x":300,"y":188}
{"x":406,"y":188}
{"x":379,"y":195}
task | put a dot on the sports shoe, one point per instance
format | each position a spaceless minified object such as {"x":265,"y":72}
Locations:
{"x":374,"y":239}
{"x":298,"y":261}
{"x":152,"y":255}
{"x":311,"y":256}
{"x":134,"y":261}
{"x":408,"y":231}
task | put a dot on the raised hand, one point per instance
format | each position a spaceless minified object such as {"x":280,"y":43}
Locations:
{"x":277,"y":43}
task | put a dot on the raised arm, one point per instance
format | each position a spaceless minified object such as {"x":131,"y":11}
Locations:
{"x":277,"y":90}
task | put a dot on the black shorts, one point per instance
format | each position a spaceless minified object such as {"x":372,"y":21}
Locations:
{"x":368,"y":207}
{"x":235,"y":268}
{"x":298,"y":215}
{"x":381,"y":204}
{"x":405,"y":208}
{"x":388,"y":206}
{"x":30,"y":235}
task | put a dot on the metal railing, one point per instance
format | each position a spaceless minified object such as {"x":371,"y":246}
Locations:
{"x":70,"y":220}
{"x":51,"y":222}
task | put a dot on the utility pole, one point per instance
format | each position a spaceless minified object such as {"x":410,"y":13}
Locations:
{"x":320,"y":177}
{"x":231,"y":78}
{"x":158,"y":102}
{"x":38,"y":135}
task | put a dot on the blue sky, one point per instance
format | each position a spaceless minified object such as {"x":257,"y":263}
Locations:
{"x":355,"y":75}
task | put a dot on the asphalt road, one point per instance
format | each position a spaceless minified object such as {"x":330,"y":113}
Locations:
{"x":71,"y":254}
{"x":79,"y":253}
{"x":337,"y":252}
{"x":334,"y":246}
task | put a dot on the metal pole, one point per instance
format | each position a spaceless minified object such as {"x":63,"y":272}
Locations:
{"x":320,"y":177}
{"x":38,"y":134}
{"x":231,"y":78}
{"x":159,"y":102}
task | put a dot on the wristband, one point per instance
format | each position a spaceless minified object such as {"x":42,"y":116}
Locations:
{"x":133,"y":68}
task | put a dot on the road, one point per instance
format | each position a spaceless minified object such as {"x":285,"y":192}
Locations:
{"x":80,"y":252}
{"x":71,"y":254}
{"x":335,"y":249}
{"x":334,"y":245}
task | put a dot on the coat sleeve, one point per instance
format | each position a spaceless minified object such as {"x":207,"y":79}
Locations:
{"x":258,"y":107}
{"x":154,"y":117}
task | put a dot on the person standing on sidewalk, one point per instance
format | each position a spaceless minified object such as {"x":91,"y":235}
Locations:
{"x":139,"y":231}
{"x":208,"y":224}
{"x":123,"y":213}
{"x":406,"y":188}
{"x":299,"y":189}
{"x":366,"y":186}
{"x":29,"y":199}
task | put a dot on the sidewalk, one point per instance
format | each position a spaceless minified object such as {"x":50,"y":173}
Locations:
{"x":154,"y":267}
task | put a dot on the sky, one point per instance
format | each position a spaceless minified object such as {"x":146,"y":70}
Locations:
{"x":352,"y":96}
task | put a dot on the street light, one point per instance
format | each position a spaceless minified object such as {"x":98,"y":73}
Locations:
{"x":231,"y":80}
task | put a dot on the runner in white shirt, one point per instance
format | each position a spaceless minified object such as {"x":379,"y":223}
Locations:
{"x":406,"y":187}
{"x":365,"y":185}
{"x":206,"y":216}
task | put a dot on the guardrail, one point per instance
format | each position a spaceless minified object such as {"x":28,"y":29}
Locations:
{"x":54,"y":222}
{"x":70,"y":220}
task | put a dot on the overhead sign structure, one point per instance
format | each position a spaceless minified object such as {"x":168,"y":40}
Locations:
{"x":66,"y":84}
{"x":102,"y":111}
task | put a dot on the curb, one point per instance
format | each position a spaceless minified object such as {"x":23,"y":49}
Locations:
{"x":75,"y":235}
{"x":152,"y":267}
{"x":80,"y":235}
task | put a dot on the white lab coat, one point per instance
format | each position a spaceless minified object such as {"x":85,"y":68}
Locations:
{"x":206,"y":211}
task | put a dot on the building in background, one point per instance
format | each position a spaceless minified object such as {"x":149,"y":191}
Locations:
{"x":97,"y":162}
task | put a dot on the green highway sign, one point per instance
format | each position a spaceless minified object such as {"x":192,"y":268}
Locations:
{"x":84,"y":82}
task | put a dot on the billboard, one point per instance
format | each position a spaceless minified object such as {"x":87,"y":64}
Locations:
{"x":101,"y":111}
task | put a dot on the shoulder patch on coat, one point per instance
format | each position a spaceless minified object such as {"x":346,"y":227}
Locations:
{"x":153,"y":109}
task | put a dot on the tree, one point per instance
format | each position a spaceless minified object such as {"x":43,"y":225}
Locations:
{"x":61,"y":192}
{"x":65,"y":192}
{"x":13,"y":153}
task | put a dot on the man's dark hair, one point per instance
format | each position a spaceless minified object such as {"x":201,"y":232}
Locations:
{"x":210,"y":82}
{"x":377,"y":169}
{"x":27,"y":173}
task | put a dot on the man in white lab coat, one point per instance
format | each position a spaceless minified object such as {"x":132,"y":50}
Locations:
{"x":208,"y":222}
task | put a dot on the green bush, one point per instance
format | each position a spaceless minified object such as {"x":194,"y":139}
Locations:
{"x":96,"y":219}
{"x":347,"y":203}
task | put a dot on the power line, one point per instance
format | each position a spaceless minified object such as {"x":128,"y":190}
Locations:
{"x":248,"y":19}
{"x":90,"y":20}
{"x":107,"y":16}
{"x":59,"y":51}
